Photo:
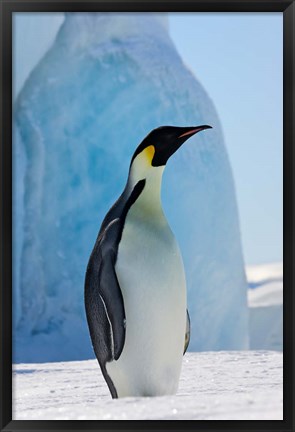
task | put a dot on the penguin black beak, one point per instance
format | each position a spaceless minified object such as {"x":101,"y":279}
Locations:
{"x":190,"y":131}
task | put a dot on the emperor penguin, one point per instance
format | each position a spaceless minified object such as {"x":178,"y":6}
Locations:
{"x":135,"y":288}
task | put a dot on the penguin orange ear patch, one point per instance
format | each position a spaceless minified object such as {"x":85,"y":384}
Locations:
{"x":149,"y":153}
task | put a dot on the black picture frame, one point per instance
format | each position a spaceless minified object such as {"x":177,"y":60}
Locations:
{"x":8,"y":7}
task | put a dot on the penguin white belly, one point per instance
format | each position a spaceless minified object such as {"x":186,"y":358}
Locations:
{"x":151,"y":276}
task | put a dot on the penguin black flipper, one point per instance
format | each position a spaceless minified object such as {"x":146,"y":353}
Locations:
{"x":187,"y":332}
{"x":103,"y":297}
{"x":110,"y":289}
{"x":104,"y":302}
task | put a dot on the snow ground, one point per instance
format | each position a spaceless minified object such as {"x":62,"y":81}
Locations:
{"x":226,"y":385}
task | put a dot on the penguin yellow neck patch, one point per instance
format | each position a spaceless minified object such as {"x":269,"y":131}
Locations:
{"x":142,"y":164}
{"x":149,"y":153}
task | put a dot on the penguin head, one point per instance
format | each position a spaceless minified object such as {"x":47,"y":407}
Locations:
{"x":159,"y":145}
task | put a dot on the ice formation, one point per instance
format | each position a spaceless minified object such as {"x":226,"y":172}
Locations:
{"x":107,"y":80}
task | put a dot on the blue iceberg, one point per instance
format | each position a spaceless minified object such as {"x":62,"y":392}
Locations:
{"x":107,"y":80}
